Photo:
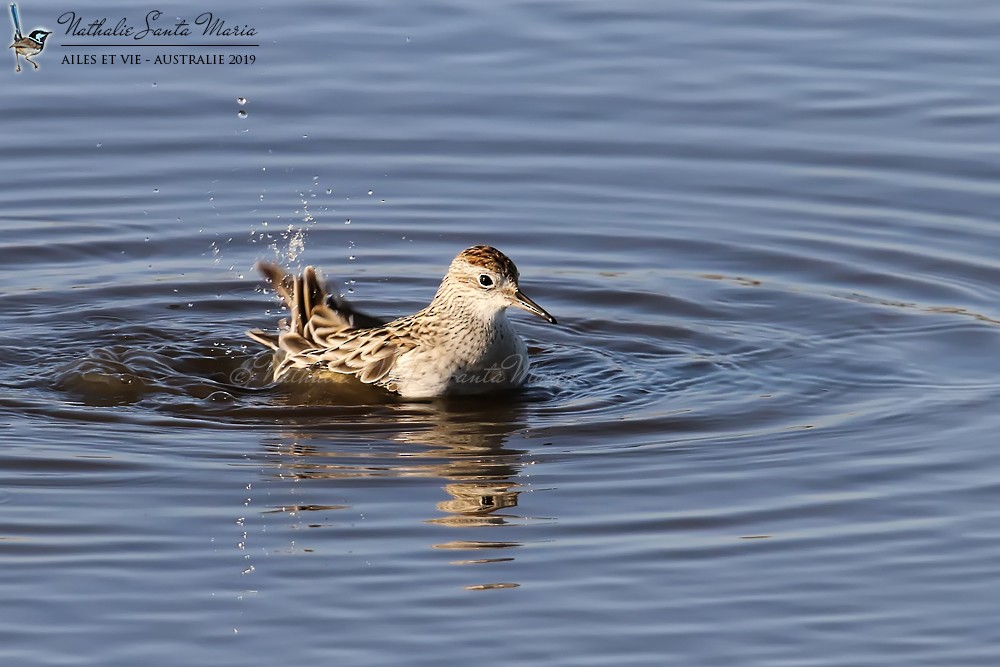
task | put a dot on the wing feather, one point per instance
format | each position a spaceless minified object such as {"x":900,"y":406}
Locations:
{"x":293,"y":343}
{"x":325,"y":330}
{"x":270,"y":340}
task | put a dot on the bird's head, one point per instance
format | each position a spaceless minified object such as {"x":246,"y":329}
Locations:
{"x":486,"y":280}
{"x":39,"y":35}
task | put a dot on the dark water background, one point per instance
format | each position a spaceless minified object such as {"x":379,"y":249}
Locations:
{"x":765,"y":431}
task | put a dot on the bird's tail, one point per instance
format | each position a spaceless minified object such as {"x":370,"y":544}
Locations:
{"x":301,"y":294}
{"x":313,"y":314}
{"x":17,"y":21}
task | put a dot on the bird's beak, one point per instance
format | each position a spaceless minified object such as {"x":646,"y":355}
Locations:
{"x":523,"y":302}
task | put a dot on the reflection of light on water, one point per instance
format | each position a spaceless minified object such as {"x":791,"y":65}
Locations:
{"x":476,"y":544}
{"x":464,"y":545}
{"x":481,"y":561}
{"x":487,"y":587}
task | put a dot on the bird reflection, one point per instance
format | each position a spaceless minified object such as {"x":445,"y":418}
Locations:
{"x":462,"y":443}
{"x":474,"y":503}
{"x":338,"y":445}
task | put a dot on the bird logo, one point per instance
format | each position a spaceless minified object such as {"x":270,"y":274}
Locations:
{"x":25,"y":47}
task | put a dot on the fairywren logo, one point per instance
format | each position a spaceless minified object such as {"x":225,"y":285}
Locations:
{"x":25,"y":47}
{"x":207,"y":39}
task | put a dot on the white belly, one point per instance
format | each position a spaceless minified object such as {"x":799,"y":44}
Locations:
{"x":468,"y":367}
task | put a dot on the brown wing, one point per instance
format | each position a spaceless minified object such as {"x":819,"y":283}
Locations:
{"x":327,"y":331}
{"x":314,"y":313}
{"x":368,"y":354}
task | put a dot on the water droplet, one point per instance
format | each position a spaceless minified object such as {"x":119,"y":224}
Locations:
{"x":154,"y":84}
{"x":371,"y":192}
{"x":347,"y":222}
{"x":241,"y":100}
{"x":99,"y":144}
{"x":351,"y":257}
{"x":147,"y":239}
{"x":156,"y":189}
{"x":329,"y":191}
{"x":242,"y":113}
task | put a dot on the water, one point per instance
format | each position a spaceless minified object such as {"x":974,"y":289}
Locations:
{"x":763,"y":433}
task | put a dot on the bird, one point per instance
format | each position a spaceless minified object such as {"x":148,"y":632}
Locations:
{"x":29,"y":46}
{"x":460,"y":344}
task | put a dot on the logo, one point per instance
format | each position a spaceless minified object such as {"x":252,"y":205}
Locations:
{"x":25,"y":47}
{"x":208,"y":39}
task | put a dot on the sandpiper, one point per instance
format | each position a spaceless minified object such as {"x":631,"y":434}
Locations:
{"x":462,"y":343}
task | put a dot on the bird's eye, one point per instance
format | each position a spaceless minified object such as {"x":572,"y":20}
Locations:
{"x":485,"y":280}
